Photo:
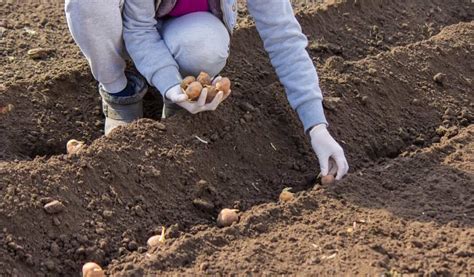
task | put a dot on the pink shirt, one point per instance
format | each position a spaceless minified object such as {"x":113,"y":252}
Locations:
{"x":183,"y":7}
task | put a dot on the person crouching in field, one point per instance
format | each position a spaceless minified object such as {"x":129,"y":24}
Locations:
{"x":164,"y":40}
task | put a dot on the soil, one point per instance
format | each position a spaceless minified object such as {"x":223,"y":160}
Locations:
{"x":397,"y":78}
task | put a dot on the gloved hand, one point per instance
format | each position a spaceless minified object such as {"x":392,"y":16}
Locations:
{"x":330,"y":154}
{"x":177,"y":96}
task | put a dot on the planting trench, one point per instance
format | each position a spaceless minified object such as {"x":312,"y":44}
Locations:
{"x":381,"y":101}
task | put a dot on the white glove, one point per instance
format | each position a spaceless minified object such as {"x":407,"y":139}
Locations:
{"x":177,"y":96}
{"x":330,"y":154}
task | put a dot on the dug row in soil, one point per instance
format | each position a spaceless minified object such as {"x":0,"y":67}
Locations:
{"x":406,"y":207}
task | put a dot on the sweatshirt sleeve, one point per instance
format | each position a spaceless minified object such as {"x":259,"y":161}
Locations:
{"x":286,"y":45}
{"x":146,"y":46}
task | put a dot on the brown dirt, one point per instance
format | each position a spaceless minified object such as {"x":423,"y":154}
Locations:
{"x":409,"y":140}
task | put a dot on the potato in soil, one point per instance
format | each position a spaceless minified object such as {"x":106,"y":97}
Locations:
{"x":286,"y":195}
{"x":327,"y":180}
{"x":91,"y":269}
{"x":226,"y":217}
{"x":73,"y":146}
{"x":194,"y":90}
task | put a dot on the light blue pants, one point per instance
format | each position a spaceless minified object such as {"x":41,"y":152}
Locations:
{"x":198,"y":41}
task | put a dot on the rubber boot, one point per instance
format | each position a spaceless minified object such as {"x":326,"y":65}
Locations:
{"x":120,"y":111}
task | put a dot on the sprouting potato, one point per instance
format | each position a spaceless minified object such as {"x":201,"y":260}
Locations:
{"x":286,"y":195}
{"x":194,"y":90}
{"x":74,"y":146}
{"x":153,"y":241}
{"x":186,"y":81}
{"x":157,"y":239}
{"x":204,"y":79}
{"x":226,"y":217}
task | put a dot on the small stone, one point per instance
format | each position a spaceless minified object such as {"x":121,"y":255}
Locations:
{"x":365,"y":99}
{"x":372,"y":71}
{"x":420,"y":140}
{"x":439,"y":78}
{"x":122,"y":251}
{"x":441,"y":130}
{"x":132,"y":245}
{"x":247,"y":107}
{"x":214,"y":137}
{"x":54,"y":249}
{"x":204,"y":266}
{"x":449,"y":112}
{"x":50,"y":265}
{"x":160,"y":126}
{"x":80,"y":251}
{"x":103,"y":243}
{"x":107,"y":214}
{"x":417,"y":244}
{"x":464,"y":122}
{"x":56,"y":221}
{"x":29,"y":260}
{"x":335,"y":63}
{"x":54,"y":207}
{"x":330,"y":103}
{"x":464,"y":253}
{"x":334,"y":48}
{"x":139,"y":211}
{"x":39,"y":53}
{"x":248,"y":117}
{"x":100,"y":231}
{"x":416,"y":102}
{"x":203,"y":205}
{"x":201,"y":183}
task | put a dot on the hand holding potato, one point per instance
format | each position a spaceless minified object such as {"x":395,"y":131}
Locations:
{"x":199,"y":94}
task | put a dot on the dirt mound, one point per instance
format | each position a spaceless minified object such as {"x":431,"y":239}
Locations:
{"x":383,"y":102}
{"x":365,"y":225}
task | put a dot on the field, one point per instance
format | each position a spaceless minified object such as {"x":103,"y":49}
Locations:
{"x":397,"y":78}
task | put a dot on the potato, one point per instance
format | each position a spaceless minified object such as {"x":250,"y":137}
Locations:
{"x":96,"y":273}
{"x":157,"y":239}
{"x":223,"y":85}
{"x":194,"y":90}
{"x":286,"y":195}
{"x":186,"y":81}
{"x":153,"y":241}
{"x":204,"y":79}
{"x":211,"y":93}
{"x":226,"y":217}
{"x":92,"y":270}
{"x":327,"y":180}
{"x":73,"y":146}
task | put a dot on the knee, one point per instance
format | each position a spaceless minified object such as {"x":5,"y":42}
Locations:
{"x":75,"y":6}
{"x":199,"y":42}
{"x":87,"y":8}
{"x":210,"y":58}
